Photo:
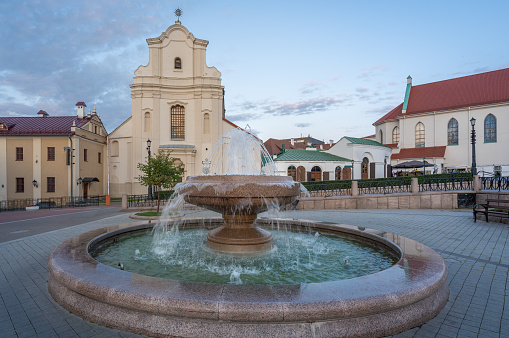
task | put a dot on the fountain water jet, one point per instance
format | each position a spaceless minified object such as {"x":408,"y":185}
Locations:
{"x":403,"y":296}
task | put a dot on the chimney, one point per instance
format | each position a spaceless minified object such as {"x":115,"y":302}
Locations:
{"x":292,"y":141}
{"x":321,"y":146}
{"x":81,"y":109}
{"x":331,"y":142}
{"x":42,"y":113}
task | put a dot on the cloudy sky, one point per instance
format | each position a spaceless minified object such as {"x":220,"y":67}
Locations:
{"x":323,"y":68}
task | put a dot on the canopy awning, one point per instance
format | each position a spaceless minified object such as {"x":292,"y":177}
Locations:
{"x":413,"y":164}
{"x":90,"y":179}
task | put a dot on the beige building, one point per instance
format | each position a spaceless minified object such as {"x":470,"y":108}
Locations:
{"x":434,"y":123}
{"x":34,"y":161}
{"x":177,"y":104}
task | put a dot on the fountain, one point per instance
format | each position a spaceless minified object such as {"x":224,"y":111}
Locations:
{"x":239,"y":182}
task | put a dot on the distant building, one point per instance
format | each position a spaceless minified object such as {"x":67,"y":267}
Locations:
{"x":349,"y":158}
{"x":34,"y":160}
{"x":177,"y":103}
{"x":275,"y":147}
{"x":434,"y":124}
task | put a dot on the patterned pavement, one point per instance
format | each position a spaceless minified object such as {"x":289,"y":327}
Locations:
{"x":477,"y":255}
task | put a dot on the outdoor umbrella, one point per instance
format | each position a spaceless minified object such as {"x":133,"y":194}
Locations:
{"x":413,"y":164}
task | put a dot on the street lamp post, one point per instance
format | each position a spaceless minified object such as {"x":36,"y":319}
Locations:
{"x":474,"y":166}
{"x":352,"y":169}
{"x":150,"y":186}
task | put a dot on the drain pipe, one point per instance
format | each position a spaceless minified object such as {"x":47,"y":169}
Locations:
{"x":108,"y":197}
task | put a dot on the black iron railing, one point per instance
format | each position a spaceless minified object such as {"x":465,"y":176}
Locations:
{"x":137,"y":201}
{"x":445,"y":184}
{"x":329,"y":188}
{"x":385,"y":187}
{"x":495,"y":183}
{"x":52,"y":202}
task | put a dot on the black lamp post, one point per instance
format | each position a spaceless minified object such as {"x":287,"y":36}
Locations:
{"x":150,"y":186}
{"x":474,"y":166}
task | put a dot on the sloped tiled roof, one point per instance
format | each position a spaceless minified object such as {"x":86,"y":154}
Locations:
{"x":391,"y":115}
{"x":364,"y":141}
{"x":418,"y":153}
{"x":275,"y":146}
{"x":467,"y":91}
{"x":309,"y":155}
{"x":49,"y":125}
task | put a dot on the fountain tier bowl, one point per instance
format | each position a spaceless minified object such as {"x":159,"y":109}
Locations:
{"x":239,"y":198}
{"x":394,"y":300}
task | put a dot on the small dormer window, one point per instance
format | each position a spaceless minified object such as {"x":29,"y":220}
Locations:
{"x":178,"y":63}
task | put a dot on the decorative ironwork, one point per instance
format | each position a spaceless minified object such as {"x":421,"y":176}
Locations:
{"x":495,"y":183}
{"x":51,"y":203}
{"x":445,"y":184}
{"x":136,"y":201}
{"x":385,"y":187}
{"x":329,"y":189}
{"x":178,"y":13}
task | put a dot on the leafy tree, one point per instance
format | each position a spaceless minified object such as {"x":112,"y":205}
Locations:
{"x":160,"y":171}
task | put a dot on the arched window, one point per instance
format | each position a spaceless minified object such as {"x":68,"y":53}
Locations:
{"x":114,"y":148}
{"x":292,"y":171}
{"x":452,"y":132}
{"x":337,"y":173}
{"x":316,"y":174}
{"x":147,"y":122}
{"x":206,"y":123}
{"x":490,"y":129}
{"x":178,"y":63}
{"x":395,"y":135}
{"x":419,"y":135}
{"x":365,"y":166}
{"x":381,"y":137}
{"x":178,"y":118}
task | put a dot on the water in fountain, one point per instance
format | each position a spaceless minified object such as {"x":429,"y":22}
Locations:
{"x":240,"y":180}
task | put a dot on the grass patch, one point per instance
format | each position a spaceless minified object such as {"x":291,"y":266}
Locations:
{"x":149,"y":213}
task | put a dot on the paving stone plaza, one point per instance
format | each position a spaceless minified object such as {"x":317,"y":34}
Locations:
{"x":477,"y":255}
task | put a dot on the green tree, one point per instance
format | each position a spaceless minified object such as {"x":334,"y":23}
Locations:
{"x":160,"y":171}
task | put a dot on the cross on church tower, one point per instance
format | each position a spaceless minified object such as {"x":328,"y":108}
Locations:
{"x":178,"y":14}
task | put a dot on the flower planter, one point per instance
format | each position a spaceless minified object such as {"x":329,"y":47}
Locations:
{"x":33,"y":207}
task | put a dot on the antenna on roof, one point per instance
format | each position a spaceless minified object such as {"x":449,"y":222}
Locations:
{"x":248,"y":127}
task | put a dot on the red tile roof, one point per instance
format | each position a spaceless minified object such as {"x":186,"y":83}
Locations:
{"x":418,"y":153}
{"x":391,"y":115}
{"x":392,"y":145}
{"x":467,"y":91}
{"x":275,"y":146}
{"x":49,"y":125}
{"x":81,"y":104}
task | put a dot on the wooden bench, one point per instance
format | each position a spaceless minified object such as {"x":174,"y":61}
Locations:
{"x":487,"y":208}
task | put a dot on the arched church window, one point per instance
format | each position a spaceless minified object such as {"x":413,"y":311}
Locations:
{"x":292,"y":171}
{"x":178,"y":119}
{"x":452,"y":132}
{"x":178,"y":63}
{"x":206,"y":123}
{"x":490,"y":128}
{"x":395,"y":135}
{"x":419,"y":135}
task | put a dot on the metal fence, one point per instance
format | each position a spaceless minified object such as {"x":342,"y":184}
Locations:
{"x":445,"y":184}
{"x":330,"y":189}
{"x":52,"y":202}
{"x":385,"y":187}
{"x":495,"y":183}
{"x":138,"y":201}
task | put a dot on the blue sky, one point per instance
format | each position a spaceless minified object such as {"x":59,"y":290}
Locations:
{"x":325,"y":68}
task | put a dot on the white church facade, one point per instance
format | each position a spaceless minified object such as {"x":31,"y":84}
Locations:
{"x":177,"y":104}
{"x":434,"y":123}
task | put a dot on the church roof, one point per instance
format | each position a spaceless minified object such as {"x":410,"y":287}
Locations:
{"x":309,"y":155}
{"x":467,"y":91}
{"x":48,"y":125}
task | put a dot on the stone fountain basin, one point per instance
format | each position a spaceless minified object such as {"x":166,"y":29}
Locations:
{"x":394,"y":300}
{"x":229,"y":192}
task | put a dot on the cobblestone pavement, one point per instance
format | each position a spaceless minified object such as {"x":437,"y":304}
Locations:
{"x":477,"y":255}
